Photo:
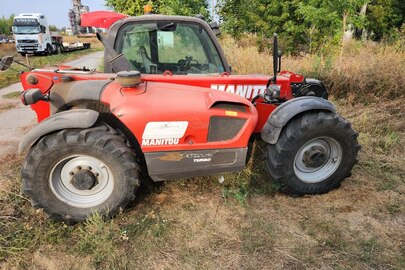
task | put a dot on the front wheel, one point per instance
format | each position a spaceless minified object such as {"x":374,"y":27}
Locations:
{"x":74,"y":173}
{"x":48,"y":50}
{"x":315,"y":152}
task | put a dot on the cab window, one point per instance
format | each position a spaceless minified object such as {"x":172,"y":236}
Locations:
{"x":181,"y":48}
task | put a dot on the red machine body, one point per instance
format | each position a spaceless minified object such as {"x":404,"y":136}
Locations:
{"x":247,"y":86}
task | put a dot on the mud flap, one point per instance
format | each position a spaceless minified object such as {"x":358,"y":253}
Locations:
{"x":78,"y":118}
{"x":286,"y":111}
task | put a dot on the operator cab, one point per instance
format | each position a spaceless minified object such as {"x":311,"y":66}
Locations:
{"x":156,"y":44}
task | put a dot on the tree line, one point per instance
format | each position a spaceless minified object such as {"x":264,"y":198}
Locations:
{"x":310,"y":25}
{"x":314,"y":24}
{"x":303,"y":25}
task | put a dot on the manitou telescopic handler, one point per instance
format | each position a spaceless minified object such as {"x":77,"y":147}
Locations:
{"x":168,"y":105}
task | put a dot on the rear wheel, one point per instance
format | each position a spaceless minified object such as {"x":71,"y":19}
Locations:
{"x":60,"y":49}
{"x":314,"y":153}
{"x":74,"y":173}
{"x":55,"y":49}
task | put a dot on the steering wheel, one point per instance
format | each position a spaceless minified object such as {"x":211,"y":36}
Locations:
{"x":185,"y":64}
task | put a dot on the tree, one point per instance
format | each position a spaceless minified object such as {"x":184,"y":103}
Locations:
{"x":168,"y":7}
{"x":263,"y":17}
{"x":53,"y":28}
{"x":384,"y":16}
{"x":5,"y":24}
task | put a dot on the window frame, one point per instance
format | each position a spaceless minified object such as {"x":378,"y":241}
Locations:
{"x":119,"y":38}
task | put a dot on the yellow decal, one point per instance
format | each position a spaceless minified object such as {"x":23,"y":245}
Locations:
{"x":231,"y":113}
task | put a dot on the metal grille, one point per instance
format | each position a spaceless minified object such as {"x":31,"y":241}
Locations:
{"x":224,"y":128}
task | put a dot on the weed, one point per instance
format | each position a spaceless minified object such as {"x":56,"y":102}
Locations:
{"x":151,"y":224}
{"x":391,"y":139}
{"x":6,"y":106}
{"x":393,"y":207}
{"x":239,"y":192}
{"x":12,"y":95}
{"x":368,"y":249}
{"x":97,"y":237}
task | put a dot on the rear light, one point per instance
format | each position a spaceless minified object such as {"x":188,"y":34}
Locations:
{"x":23,"y":98}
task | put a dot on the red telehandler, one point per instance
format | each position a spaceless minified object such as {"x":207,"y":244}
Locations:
{"x":169,"y":105}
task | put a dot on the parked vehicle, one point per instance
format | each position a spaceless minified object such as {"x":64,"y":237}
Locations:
{"x":170,"y":107}
{"x":3,"y":39}
{"x":32,"y":36}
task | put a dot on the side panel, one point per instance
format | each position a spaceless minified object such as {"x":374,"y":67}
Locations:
{"x":179,"y":164}
{"x":169,"y":117}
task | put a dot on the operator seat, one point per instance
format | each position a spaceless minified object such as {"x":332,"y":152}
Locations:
{"x":147,"y":62}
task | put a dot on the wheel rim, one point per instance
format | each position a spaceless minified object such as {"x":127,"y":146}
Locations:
{"x":81,"y":181}
{"x":317,"y":160}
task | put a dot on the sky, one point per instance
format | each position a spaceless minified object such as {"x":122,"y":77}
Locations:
{"x":56,"y":11}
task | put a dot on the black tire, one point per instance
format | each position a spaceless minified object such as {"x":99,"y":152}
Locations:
{"x":60,"y":49}
{"x":49,"y":50}
{"x":300,"y":163}
{"x":56,"y":50}
{"x":23,"y":54}
{"x":54,"y":152}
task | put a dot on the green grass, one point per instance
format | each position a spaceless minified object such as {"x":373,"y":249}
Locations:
{"x":10,"y":76}
{"x":97,"y":237}
{"x":12,"y":95}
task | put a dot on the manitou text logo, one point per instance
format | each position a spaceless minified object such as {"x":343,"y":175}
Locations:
{"x":153,"y":142}
{"x":248,"y":91}
{"x":163,"y":133}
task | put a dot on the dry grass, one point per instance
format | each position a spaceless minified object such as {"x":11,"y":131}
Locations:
{"x":95,"y":43}
{"x":7,"y":49}
{"x":12,"y":95}
{"x":367,"y":72}
{"x":243,"y":223}
{"x":7,"y":105}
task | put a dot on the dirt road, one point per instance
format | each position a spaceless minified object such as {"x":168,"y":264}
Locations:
{"x":16,"y":119}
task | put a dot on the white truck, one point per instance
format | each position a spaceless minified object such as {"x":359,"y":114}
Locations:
{"x":32,"y":36}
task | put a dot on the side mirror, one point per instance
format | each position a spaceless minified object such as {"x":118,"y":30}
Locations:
{"x":43,"y":29}
{"x":6,"y":62}
{"x":11,"y":29}
{"x":280,"y":53}
{"x":276,"y":58}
